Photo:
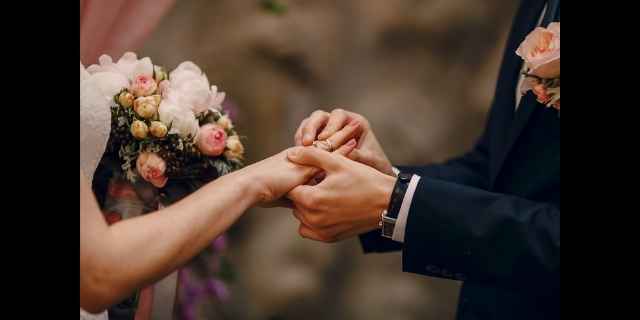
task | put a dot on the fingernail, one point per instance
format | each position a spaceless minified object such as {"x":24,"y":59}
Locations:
{"x":351,"y":143}
{"x":308,"y":138}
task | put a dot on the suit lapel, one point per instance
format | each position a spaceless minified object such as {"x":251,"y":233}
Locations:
{"x":511,"y":125}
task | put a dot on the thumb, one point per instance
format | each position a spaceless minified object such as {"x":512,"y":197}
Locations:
{"x":315,"y":157}
{"x":300,"y":194}
{"x":362,"y":156}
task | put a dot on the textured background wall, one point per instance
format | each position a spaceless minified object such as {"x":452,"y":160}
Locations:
{"x":423,"y":73}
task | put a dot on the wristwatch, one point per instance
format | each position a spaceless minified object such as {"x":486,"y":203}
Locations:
{"x":389,"y":216}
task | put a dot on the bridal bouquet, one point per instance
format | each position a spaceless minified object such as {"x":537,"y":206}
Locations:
{"x":541,"y":52}
{"x":168,"y":126}
{"x":168,"y":129}
{"x":167,"y":135}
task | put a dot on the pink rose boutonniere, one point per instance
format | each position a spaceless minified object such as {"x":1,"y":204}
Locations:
{"x":540,"y":51}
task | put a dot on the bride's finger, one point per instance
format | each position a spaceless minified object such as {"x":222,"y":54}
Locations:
{"x":351,"y":131}
{"x":346,"y":148}
{"x":337,"y":121}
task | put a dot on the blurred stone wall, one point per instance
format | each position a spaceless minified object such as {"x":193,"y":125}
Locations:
{"x":422,"y":71}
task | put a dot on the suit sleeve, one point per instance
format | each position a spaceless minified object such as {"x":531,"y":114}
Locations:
{"x":470,"y":169}
{"x":462,"y":232}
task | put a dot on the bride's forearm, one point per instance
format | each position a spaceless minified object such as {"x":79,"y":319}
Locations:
{"x":142,"y":250}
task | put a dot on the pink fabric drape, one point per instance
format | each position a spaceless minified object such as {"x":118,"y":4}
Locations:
{"x":114,"y":27}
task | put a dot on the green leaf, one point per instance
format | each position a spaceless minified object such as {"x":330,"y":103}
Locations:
{"x":274,"y":6}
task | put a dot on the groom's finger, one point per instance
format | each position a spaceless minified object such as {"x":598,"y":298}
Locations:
{"x":300,"y":216}
{"x":301,"y":196}
{"x":362,"y":156}
{"x":308,"y":233}
{"x":317,"y":120}
{"x":297,"y":138}
{"x":314,"y":157}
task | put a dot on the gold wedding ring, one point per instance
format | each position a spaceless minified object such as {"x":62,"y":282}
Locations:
{"x":325,"y":145}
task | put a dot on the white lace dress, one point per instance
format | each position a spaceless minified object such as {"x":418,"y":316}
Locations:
{"x":95,"y":125}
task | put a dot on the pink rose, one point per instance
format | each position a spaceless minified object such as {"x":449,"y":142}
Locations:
{"x":152,"y":168}
{"x":211,"y":140}
{"x":547,"y":96}
{"x":112,"y":217}
{"x":541,"y":93}
{"x":143,"y":86}
{"x":541,"y":51}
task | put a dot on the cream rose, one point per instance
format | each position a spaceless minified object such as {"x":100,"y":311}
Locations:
{"x":541,"y":51}
{"x":126,"y":99}
{"x":158,"y":129}
{"x":159,"y":74}
{"x":146,"y":107}
{"x":152,"y":169}
{"x":225,"y":122}
{"x":182,"y":121}
{"x":211,"y":140}
{"x":235,"y":148}
{"x":139,"y":129}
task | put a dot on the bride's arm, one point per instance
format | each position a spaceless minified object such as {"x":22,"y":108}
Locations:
{"x":117,"y":259}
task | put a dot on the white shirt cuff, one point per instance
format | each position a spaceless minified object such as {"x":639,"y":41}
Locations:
{"x":395,"y":171}
{"x":401,"y":221}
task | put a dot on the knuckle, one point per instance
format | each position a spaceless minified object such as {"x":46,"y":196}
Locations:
{"x":316,"y":220}
{"x":311,"y":201}
{"x":318,"y":113}
{"x":361,"y":119}
{"x":328,"y":236}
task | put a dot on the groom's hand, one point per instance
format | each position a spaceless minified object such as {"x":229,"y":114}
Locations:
{"x":273,"y":177}
{"x":348,"y":202}
{"x":335,"y":126}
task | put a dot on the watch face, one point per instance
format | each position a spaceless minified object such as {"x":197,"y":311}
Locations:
{"x":388,"y":224}
{"x":387,"y":229}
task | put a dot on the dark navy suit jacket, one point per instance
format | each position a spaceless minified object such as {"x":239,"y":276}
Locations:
{"x":491,"y":218}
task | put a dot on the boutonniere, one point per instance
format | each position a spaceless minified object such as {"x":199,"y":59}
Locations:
{"x":540,"y":51}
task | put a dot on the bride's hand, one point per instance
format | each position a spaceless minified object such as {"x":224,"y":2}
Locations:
{"x":270,"y":179}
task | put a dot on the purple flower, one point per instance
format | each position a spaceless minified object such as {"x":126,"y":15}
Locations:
{"x":219,"y":244}
{"x":184,"y":276}
{"x":188,"y":312}
{"x":218,"y":288}
{"x":230,"y":108}
{"x":216,"y":263}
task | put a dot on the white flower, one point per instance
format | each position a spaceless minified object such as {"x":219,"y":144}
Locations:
{"x":182,"y":121}
{"x":128,"y":65}
{"x":216,"y":99}
{"x":189,"y":88}
{"x":100,"y":88}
